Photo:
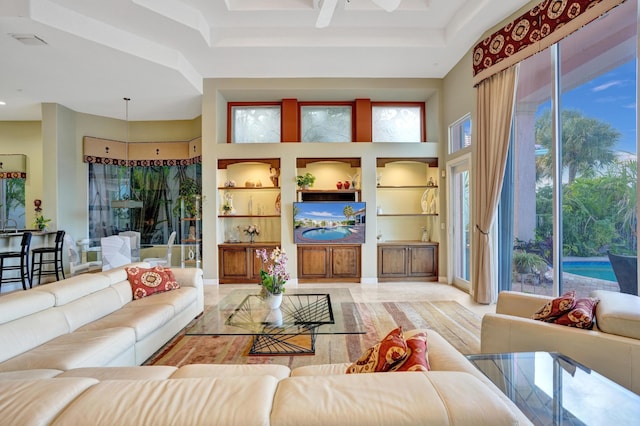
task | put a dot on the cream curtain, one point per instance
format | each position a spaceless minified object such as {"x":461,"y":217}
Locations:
{"x":494,"y":113}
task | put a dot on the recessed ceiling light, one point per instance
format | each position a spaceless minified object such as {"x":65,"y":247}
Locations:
{"x":3,"y":103}
{"x":29,"y":39}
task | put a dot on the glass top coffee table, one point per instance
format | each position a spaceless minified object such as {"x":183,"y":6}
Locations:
{"x":552,"y":389}
{"x":291,"y":329}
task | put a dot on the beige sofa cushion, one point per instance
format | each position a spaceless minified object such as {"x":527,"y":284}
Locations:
{"x":42,"y":373}
{"x":618,"y":313}
{"x":143,"y":319}
{"x":27,"y":333}
{"x":75,"y":287}
{"x":75,"y":350}
{"x":231,"y":370}
{"x":209,"y":401}
{"x":38,"y":402}
{"x":19,"y":304}
{"x":122,"y":373}
{"x":398,"y":398}
{"x":91,"y":307}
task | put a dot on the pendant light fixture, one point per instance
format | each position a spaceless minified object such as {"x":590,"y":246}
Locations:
{"x":126,"y":203}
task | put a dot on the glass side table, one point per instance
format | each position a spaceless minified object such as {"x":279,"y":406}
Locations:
{"x":552,"y":389}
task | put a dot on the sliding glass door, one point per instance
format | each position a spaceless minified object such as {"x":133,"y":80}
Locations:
{"x":575,"y":168}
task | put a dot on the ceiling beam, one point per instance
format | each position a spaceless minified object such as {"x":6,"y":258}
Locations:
{"x":327,"y":7}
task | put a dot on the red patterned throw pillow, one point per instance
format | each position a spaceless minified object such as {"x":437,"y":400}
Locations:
{"x":384,"y":355}
{"x":147,"y":281}
{"x":581,"y":316}
{"x":556,"y":307}
{"x":417,"y":358}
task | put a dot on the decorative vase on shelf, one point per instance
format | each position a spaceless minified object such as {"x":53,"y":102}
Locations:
{"x":274,"y":301}
{"x":252,"y":238}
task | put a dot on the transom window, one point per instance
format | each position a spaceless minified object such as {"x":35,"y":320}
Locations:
{"x":325,"y":123}
{"x":397,"y":122}
{"x":255,"y":123}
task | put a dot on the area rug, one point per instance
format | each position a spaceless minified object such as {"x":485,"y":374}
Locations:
{"x":451,"y":320}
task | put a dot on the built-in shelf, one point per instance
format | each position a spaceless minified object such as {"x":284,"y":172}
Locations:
{"x":231,"y":216}
{"x":406,"y":186}
{"x":252,"y":188}
{"x":407,"y":214}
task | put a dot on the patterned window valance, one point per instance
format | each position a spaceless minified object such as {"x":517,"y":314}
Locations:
{"x":545,"y":24}
{"x":141,"y":154}
{"x":13,"y":166}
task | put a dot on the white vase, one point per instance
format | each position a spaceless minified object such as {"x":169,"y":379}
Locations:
{"x":274,"y":318}
{"x":274,"y":300}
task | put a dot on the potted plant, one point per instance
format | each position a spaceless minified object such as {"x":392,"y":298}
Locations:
{"x":273,"y":275}
{"x":41,"y":222}
{"x":525,"y":263}
{"x":305,"y":181}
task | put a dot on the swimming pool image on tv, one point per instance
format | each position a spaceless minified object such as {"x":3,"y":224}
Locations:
{"x":327,"y":233}
{"x":336,"y":222}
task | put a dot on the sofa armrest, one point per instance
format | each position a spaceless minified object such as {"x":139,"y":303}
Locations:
{"x":188,"y":277}
{"x":520,"y":304}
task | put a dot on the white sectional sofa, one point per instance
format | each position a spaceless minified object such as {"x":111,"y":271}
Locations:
{"x":71,"y":351}
{"x":90,"y":320}
{"x":453,"y":392}
{"x":612,"y":348}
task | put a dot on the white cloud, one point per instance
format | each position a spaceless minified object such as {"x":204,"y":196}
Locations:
{"x":605,"y":86}
{"x":320,"y":214}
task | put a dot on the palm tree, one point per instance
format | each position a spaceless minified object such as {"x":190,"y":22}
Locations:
{"x":586,"y":143}
{"x":348,"y":212}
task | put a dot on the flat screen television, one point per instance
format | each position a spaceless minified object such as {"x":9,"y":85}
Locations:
{"x":329,"y":222}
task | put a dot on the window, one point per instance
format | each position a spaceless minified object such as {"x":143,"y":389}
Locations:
{"x":12,"y":202}
{"x":459,"y":212}
{"x":460,"y":134}
{"x":157,"y":187}
{"x":397,"y":122}
{"x":255,"y":123}
{"x":574,"y":193}
{"x":325,"y":123}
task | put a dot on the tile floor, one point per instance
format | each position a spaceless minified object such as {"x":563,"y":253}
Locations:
{"x":382,"y":292}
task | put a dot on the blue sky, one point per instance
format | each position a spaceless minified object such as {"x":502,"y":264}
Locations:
{"x":610,"y":97}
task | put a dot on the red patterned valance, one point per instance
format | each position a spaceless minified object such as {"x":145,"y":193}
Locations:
{"x":141,"y":163}
{"x":13,"y":175}
{"x":533,"y":31}
{"x":141,"y":154}
{"x":13,"y":166}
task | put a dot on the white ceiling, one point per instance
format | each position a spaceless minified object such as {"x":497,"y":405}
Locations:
{"x":157,"y":52}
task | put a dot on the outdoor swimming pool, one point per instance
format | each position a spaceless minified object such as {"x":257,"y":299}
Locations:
{"x":600,"y":269}
{"x":327,"y":233}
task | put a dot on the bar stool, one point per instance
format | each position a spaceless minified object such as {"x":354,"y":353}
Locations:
{"x":23,"y":267}
{"x":37,"y":264}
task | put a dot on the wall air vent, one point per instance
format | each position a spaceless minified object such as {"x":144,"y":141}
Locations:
{"x":29,"y":39}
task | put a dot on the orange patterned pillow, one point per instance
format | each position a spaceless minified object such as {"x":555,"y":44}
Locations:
{"x":417,"y":358}
{"x":147,"y":281}
{"x":384,"y":355}
{"x":581,"y":316}
{"x":556,"y":307}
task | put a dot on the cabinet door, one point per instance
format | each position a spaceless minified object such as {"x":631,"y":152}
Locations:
{"x":345,"y":262}
{"x":313,"y":262}
{"x":233,"y":263}
{"x":392,"y":261}
{"x":423,"y":261}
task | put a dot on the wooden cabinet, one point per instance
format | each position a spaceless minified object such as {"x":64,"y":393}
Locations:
{"x":238,"y":262}
{"x":411,"y":261}
{"x":329,"y":263}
